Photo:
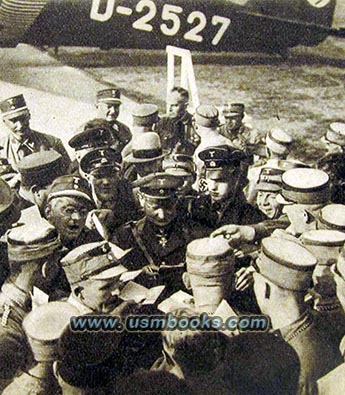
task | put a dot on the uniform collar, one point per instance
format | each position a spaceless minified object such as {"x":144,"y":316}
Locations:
{"x":28,"y":138}
{"x":292,"y":330}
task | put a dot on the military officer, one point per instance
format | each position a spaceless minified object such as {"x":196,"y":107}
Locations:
{"x":284,"y":274}
{"x":112,"y":195}
{"x":225,"y":202}
{"x":94,"y":134}
{"x":160,"y":238}
{"x":22,"y":140}
{"x":206,"y":124}
{"x":176,"y":129}
{"x":108,"y":105}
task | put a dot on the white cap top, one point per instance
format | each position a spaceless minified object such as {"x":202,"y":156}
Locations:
{"x":304,"y":179}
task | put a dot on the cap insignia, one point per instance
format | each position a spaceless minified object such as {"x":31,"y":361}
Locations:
{"x":12,"y":104}
{"x":76,"y":182}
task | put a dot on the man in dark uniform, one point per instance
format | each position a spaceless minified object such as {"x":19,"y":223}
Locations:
{"x":22,"y":140}
{"x":112,"y":195}
{"x":225,"y":202}
{"x":108,"y":105}
{"x":176,"y":129}
{"x":158,"y":240}
{"x":94,"y":134}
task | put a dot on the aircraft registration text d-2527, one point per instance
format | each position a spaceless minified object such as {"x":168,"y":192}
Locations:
{"x":271,"y":26}
{"x":173,"y":18}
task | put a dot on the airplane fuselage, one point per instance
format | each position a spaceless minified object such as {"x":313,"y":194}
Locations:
{"x":199,"y":25}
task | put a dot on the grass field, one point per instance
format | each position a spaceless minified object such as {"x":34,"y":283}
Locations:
{"x":302,"y":94}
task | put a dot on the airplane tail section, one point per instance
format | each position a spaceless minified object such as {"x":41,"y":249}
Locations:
{"x":16,"y":17}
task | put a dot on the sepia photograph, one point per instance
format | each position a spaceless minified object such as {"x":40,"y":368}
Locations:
{"x":172,"y":197}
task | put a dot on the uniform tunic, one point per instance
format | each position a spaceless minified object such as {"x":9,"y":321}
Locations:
{"x":121,"y":134}
{"x":13,"y":150}
{"x":212,"y":216}
{"x":178,"y":135}
{"x":162,"y":248}
{"x":317,"y":355}
{"x":242,"y":138}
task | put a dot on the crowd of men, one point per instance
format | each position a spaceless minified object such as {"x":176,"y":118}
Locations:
{"x":181,"y":214}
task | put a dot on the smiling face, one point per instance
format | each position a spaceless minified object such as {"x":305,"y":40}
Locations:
{"x":68,"y":216}
{"x":110,"y":111}
{"x":267,"y":203}
{"x":19,"y":124}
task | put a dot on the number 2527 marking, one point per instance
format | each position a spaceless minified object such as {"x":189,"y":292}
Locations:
{"x":170,"y":16}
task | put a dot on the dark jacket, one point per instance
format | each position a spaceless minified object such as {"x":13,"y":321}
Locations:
{"x":163,"y":249}
{"x":178,"y":135}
